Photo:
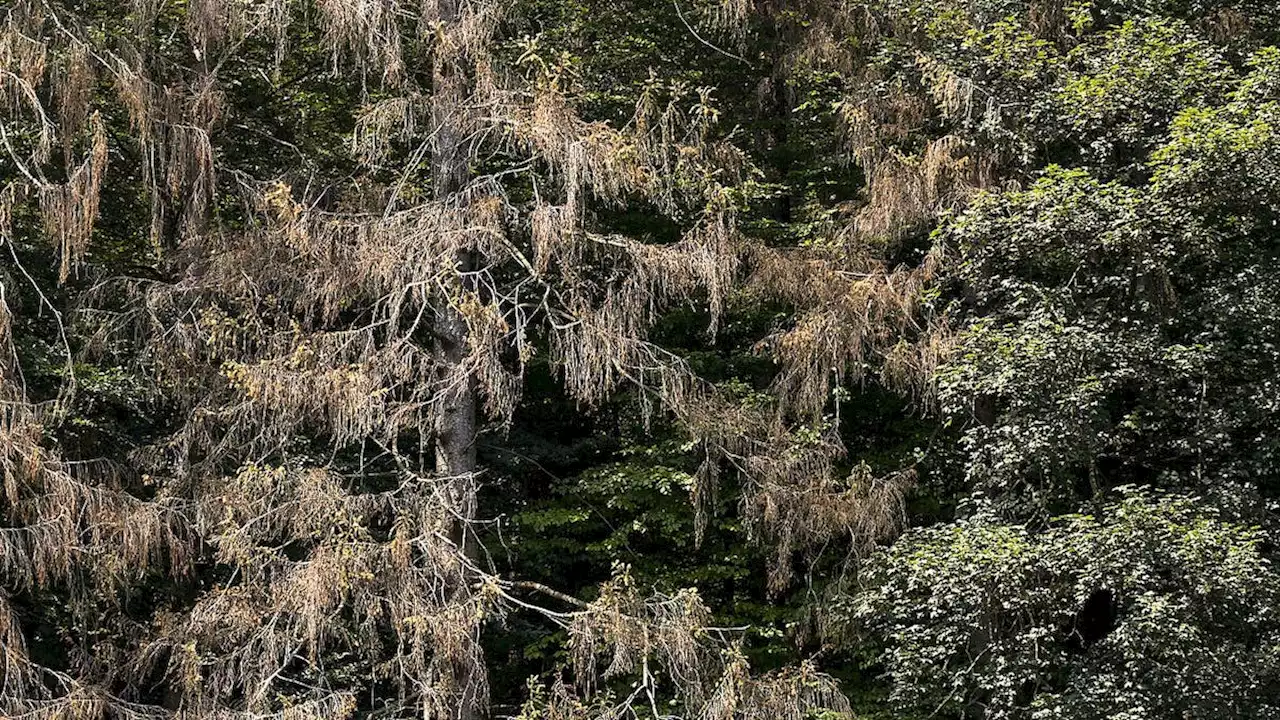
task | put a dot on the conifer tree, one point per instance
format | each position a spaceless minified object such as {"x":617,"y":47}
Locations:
{"x":308,"y":529}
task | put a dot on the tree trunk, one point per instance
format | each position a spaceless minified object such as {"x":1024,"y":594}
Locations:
{"x":455,"y":462}
{"x":455,"y":421}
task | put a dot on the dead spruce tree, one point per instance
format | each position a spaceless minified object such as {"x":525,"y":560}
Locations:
{"x":309,"y":532}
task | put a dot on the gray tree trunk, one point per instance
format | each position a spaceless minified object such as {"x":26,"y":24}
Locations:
{"x":455,"y":422}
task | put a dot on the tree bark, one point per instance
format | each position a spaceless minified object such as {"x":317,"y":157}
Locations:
{"x":455,"y":420}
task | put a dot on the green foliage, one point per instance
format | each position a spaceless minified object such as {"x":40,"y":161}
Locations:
{"x":1115,"y":331}
{"x":1125,"y":85}
{"x":1151,"y":607}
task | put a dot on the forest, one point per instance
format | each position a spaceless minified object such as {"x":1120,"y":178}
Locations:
{"x":639,"y":359}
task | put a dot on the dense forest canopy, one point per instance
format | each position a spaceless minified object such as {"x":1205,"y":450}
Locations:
{"x":614,"y":360}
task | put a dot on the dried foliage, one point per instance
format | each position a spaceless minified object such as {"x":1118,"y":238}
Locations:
{"x":316,"y":319}
{"x":856,"y":316}
{"x":668,"y":638}
{"x":71,"y":208}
